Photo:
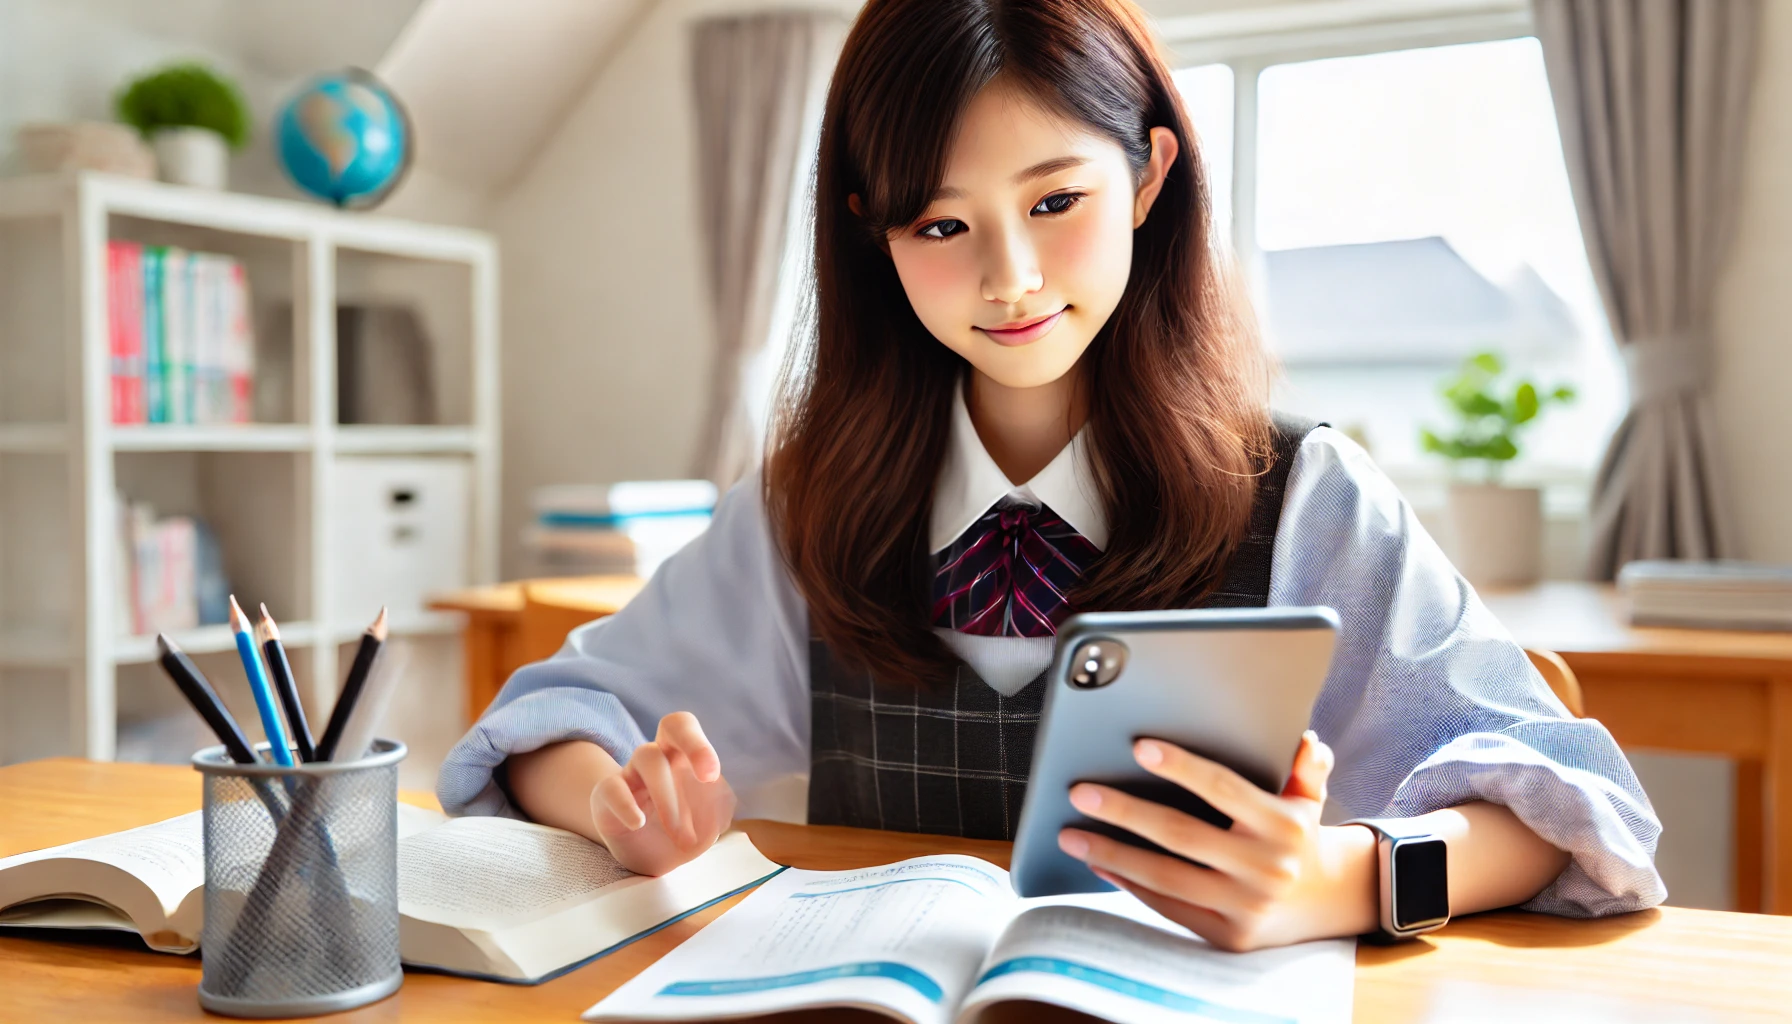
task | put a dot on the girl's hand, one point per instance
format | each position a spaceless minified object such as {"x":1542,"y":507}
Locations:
{"x":668,"y":804}
{"x":1275,"y":877}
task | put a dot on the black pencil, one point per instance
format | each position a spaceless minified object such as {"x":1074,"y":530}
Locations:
{"x":371,"y":642}
{"x":199,"y":693}
{"x":281,"y":671}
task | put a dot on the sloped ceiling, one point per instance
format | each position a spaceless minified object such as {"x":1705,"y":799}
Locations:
{"x":487,"y":83}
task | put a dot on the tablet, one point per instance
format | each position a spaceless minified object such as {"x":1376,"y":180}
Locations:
{"x":1236,"y":685}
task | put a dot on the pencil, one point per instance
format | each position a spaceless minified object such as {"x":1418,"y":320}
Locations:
{"x":280,"y":671}
{"x":258,"y":685}
{"x":199,"y":693}
{"x":371,"y":642}
{"x":370,"y":710}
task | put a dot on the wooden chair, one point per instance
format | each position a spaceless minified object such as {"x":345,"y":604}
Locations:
{"x":1561,"y":679}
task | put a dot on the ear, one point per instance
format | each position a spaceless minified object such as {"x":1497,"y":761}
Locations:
{"x":1164,"y":148}
{"x":858,"y":210}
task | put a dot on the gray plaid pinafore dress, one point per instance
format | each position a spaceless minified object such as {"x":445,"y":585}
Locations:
{"x":954,"y":760}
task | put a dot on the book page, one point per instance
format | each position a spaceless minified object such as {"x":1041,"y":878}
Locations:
{"x":168,"y":857}
{"x":1127,"y":964}
{"x":483,"y":873}
{"x":904,"y":938}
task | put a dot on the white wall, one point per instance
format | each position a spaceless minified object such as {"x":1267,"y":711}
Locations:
{"x":1754,"y":307}
{"x":64,"y":59}
{"x":607,"y":328}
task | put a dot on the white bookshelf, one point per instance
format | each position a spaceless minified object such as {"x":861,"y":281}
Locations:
{"x":60,"y":453}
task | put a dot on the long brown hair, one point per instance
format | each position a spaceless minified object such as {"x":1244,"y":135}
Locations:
{"x":1177,"y":382}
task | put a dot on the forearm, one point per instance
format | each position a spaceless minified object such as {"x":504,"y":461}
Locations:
{"x":553,"y":785}
{"x":1495,"y":861}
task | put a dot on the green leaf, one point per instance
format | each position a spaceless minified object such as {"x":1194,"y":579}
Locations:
{"x":1487,"y":362}
{"x":1501,"y":448}
{"x":1563,"y":393}
{"x":1524,"y":404}
{"x":181,"y":96}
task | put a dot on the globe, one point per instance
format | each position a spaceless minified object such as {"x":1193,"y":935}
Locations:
{"x":344,"y":138}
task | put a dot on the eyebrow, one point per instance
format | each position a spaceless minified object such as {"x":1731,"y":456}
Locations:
{"x":1038,"y":170}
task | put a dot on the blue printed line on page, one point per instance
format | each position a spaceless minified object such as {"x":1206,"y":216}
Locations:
{"x":1140,"y":990}
{"x":874,"y":969}
{"x":879,"y":885}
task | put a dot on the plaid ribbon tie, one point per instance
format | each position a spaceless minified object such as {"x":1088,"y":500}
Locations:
{"x":1008,"y":574}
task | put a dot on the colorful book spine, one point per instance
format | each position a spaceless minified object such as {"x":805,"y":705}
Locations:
{"x":155,"y":377}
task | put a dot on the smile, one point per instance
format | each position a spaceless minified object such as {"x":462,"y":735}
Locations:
{"x":1025,"y":331}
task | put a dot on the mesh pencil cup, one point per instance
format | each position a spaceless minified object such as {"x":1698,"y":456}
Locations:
{"x":301,"y":884}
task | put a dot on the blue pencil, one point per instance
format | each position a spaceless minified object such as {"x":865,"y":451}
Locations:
{"x":259,"y":686}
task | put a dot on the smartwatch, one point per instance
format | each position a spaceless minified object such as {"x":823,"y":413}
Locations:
{"x":1414,"y":878}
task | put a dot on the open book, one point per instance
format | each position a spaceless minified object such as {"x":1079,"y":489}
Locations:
{"x":488,"y":897}
{"x":941,"y":939}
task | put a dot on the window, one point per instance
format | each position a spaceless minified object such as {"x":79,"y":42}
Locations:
{"x":1412,"y":208}
{"x":1207,"y":96}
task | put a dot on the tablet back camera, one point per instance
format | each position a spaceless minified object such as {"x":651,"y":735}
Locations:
{"x":1097,"y":663}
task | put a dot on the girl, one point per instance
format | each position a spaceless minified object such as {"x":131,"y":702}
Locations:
{"x":1030,"y":392}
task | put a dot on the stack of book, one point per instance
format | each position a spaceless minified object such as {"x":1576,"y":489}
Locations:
{"x":1710,"y":594}
{"x":181,"y":347}
{"x":169,"y":572}
{"x":615,"y":529}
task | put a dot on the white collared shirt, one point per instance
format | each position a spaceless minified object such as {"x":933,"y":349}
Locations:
{"x":1429,"y":703}
{"x":970,"y":484}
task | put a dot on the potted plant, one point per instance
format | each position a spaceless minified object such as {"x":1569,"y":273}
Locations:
{"x":191,"y":117}
{"x":1497,"y":529}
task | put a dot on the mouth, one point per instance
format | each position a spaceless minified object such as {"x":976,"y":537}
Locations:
{"x":1022,"y":332}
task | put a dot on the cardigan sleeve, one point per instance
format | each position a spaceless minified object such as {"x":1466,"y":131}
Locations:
{"x":1431,"y":704}
{"x":719,"y":630}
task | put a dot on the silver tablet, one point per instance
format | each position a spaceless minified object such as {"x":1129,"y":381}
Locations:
{"x":1236,"y":685}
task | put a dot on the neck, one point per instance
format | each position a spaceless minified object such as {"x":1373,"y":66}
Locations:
{"x":1024,"y":429}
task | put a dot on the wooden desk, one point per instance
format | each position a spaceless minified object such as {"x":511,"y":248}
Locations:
{"x":1733,"y":966}
{"x":1688,"y":690}
{"x":512,"y":624}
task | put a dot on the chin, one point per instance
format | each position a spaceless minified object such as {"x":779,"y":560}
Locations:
{"x":1022,"y":367}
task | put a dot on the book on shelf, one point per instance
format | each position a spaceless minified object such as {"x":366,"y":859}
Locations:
{"x":169,"y":572}
{"x":181,"y":347}
{"x":492,"y":898}
{"x":943,"y":939}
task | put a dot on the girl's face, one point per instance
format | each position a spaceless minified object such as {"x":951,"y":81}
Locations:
{"x":1026,"y":248}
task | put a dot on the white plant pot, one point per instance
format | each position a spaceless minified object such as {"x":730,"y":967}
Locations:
{"x":1497,"y":533}
{"x":192,"y":156}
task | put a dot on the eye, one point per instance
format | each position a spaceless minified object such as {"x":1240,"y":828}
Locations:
{"x":1059,"y":202}
{"x":947,"y":228}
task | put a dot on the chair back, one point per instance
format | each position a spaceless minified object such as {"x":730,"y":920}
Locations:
{"x":1561,"y":680}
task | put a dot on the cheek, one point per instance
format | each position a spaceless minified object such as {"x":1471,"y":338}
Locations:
{"x":1091,"y":258}
{"x":933,"y":277}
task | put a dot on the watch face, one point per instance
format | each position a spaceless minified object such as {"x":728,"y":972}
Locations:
{"x":1421,"y":883}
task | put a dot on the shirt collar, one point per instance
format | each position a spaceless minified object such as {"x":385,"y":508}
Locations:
{"x":970,"y":482}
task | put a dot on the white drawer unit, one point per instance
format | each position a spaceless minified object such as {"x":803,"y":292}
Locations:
{"x":401,"y":533}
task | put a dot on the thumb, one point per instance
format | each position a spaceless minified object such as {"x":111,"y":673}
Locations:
{"x":1313,"y":763}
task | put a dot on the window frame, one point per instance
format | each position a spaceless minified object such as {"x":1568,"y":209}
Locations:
{"x":1249,"y":40}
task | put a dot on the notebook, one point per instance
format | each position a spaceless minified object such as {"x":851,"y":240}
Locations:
{"x":936,"y":940}
{"x":492,"y":898}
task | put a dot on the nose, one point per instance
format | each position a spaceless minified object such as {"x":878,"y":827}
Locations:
{"x":1010,"y":266}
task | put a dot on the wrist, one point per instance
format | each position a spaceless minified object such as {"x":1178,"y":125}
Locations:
{"x":1352,"y":880}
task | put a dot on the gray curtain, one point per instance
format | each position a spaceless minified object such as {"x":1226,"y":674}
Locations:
{"x":1651,"y":98}
{"x":759,"y":82}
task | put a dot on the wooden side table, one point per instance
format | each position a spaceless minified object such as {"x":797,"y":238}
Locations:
{"x":1697,"y":691}
{"x":512,"y":624}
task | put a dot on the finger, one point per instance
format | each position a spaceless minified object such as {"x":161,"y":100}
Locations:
{"x":1229,"y":792}
{"x":1169,"y":828}
{"x":1203,"y":922}
{"x":613,"y":806}
{"x":1178,"y":879}
{"x":680,"y":731}
{"x":1313,"y":762}
{"x":650,"y":761}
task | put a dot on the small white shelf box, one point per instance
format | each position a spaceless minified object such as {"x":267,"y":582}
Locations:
{"x":59,"y":450}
